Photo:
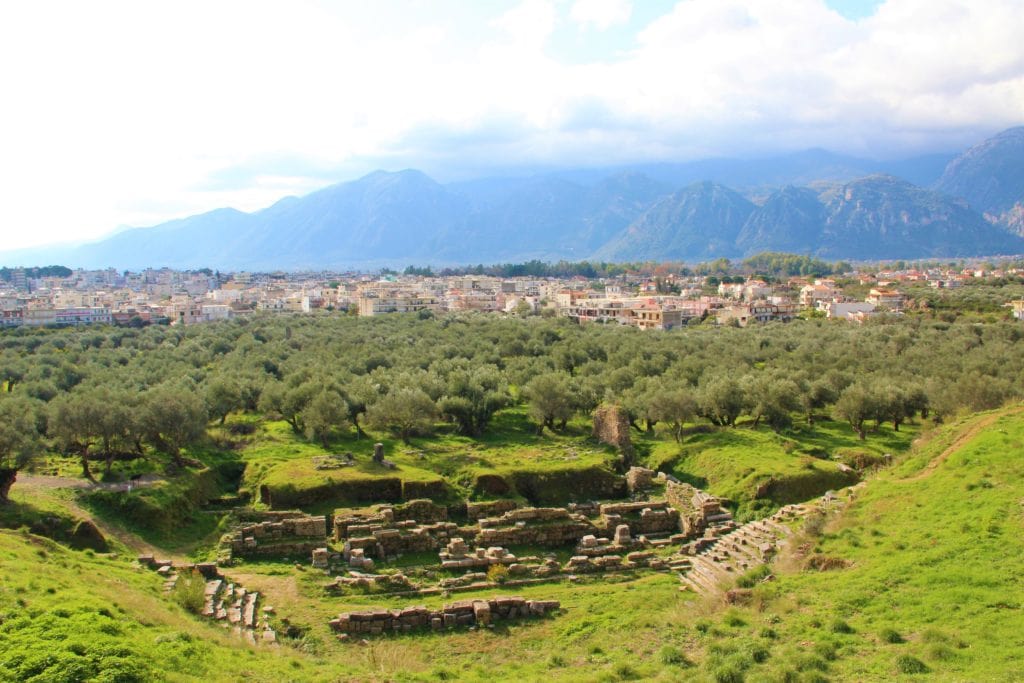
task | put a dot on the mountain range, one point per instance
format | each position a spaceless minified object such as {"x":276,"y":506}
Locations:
{"x":813,"y":202}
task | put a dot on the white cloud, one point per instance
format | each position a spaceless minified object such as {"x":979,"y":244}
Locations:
{"x":601,"y":14}
{"x":117,"y":111}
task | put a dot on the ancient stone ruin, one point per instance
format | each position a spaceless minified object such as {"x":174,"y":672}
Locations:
{"x":333,"y":461}
{"x":718,"y":559}
{"x":699,"y":511}
{"x":639,"y":479}
{"x":611,"y":426}
{"x":223,"y":600}
{"x":457,"y":555}
{"x":464,"y":613}
{"x":278,"y":534}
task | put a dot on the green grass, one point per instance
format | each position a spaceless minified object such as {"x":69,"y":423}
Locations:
{"x":760,"y":470}
{"x":935,"y":575}
{"x":70,"y":616}
{"x":933,"y":583}
{"x":445,"y":465}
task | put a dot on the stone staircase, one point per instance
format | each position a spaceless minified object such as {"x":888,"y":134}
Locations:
{"x":727,"y":551}
{"x":223,"y":601}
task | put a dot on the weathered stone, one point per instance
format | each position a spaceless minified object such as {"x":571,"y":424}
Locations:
{"x":321,"y":558}
{"x":481,"y":612}
{"x":639,"y":479}
{"x":611,"y":426}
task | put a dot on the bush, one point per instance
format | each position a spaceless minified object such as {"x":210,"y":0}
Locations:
{"x":906,"y":664}
{"x":727,"y":673}
{"x":814,"y":524}
{"x":826,"y":650}
{"x":625,"y":672}
{"x":497,"y":573}
{"x":890,"y":635}
{"x":673,"y":656}
{"x":840,"y":626}
{"x":754,"y":576}
{"x":733,"y":619}
{"x":940,"y":652}
{"x":190,"y":591}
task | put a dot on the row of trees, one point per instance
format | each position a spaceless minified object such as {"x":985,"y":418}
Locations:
{"x":108,"y":393}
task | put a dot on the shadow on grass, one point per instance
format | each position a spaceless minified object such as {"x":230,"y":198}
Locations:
{"x":56,"y":525}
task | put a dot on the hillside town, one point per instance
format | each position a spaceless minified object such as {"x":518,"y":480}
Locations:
{"x":166,"y":296}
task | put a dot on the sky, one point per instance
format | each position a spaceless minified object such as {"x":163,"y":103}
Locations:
{"x":131,"y":113}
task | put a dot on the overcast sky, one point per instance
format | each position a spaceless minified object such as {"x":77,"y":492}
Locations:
{"x":131,"y":113}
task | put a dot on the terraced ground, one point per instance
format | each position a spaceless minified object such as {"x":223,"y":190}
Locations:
{"x":919,"y":574}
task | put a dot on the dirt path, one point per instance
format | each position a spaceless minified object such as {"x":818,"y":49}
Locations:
{"x":959,"y":443}
{"x":42,"y":481}
{"x":28,"y":482}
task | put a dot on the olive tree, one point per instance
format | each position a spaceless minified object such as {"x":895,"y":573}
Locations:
{"x":172,"y":418}
{"x":551,"y":400}
{"x":404,"y":411}
{"x":19,"y":439}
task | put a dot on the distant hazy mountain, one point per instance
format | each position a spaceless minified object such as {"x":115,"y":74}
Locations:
{"x":877,"y":217}
{"x":990,"y":176}
{"x":791,"y":220}
{"x":799,"y":168}
{"x":810,"y":202}
{"x":884,"y":217}
{"x":700,"y":221}
{"x":551,"y":218}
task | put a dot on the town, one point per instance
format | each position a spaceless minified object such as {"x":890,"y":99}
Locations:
{"x":644,"y":300}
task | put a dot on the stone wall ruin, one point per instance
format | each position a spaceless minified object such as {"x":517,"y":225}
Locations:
{"x":611,"y":426}
{"x":464,"y":613}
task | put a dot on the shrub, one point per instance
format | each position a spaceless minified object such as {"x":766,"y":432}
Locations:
{"x":190,"y":591}
{"x":759,"y":653}
{"x":811,"y":663}
{"x":840,"y":626}
{"x":625,"y":672}
{"x":940,"y":652}
{"x":673,"y":656}
{"x":556,"y":662}
{"x":497,"y":573}
{"x":814,"y":524}
{"x":727,"y":673}
{"x":906,"y":664}
{"x":826,"y":650}
{"x":733,"y":619}
{"x":890,"y":635}
{"x":754,"y":576}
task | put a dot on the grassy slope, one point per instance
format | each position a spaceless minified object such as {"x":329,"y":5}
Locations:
{"x":70,"y":615}
{"x":282,"y":461}
{"x":734,"y":463}
{"x":937,"y":557}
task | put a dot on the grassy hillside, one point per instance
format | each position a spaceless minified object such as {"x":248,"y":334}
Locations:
{"x":75,"y":616}
{"x":509,"y":457}
{"x":759,"y":470}
{"x":927,"y":575}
